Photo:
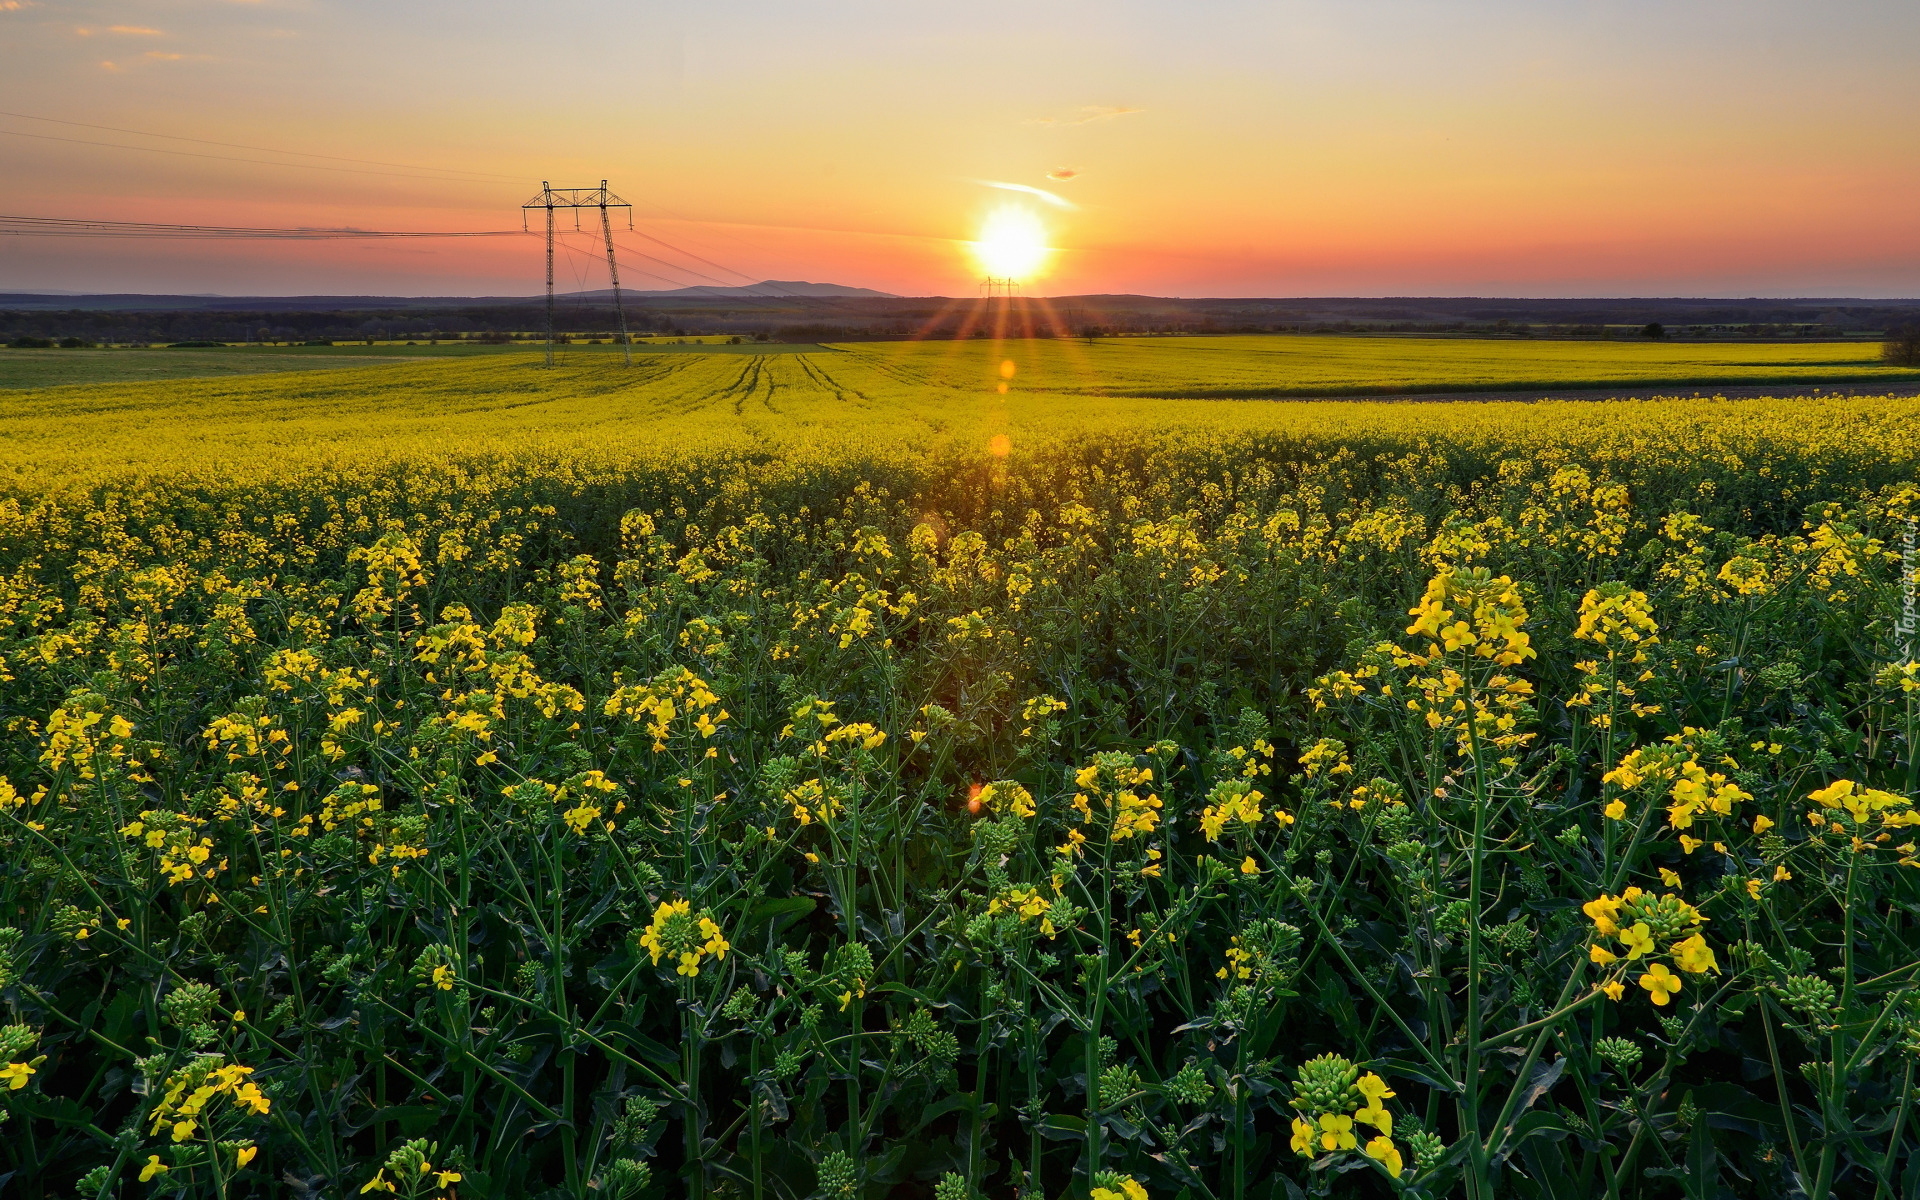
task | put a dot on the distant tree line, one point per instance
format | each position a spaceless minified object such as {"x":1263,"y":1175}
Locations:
{"x":257,"y":326}
{"x":814,"y":319}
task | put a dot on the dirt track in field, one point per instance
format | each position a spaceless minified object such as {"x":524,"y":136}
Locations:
{"x":1731,"y":392}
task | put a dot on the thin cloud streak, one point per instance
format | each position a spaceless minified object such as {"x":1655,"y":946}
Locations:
{"x":1086,"y":114}
{"x":1049,"y":197}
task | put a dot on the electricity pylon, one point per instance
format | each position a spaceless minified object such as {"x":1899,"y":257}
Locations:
{"x":552,"y":198}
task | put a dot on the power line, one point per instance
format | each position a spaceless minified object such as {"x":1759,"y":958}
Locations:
{"x":756,"y":289}
{"x":63,"y":227}
{"x":677,"y":284}
{"x":673,"y":266}
{"x":751,"y":289}
{"x":24,"y":226}
{"x":18,"y":226}
{"x":48,"y":137}
{"x":695,"y":257}
{"x":175,"y":137}
{"x":711,"y":228}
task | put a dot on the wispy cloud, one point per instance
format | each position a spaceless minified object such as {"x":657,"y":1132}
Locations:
{"x":1085,"y":114}
{"x":110,"y":66}
{"x":17,"y":5}
{"x":164,"y":56}
{"x":1062,"y":174}
{"x":1049,"y":197}
{"x":135,"y":30}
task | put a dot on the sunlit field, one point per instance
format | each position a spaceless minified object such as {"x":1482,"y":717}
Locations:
{"x":1249,"y":366}
{"x":923,"y":398}
{"x":1258,"y":366}
{"x":961,"y":769}
{"x":33,"y":369}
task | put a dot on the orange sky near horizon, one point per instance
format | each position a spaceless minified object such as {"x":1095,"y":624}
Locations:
{"x":1344,"y":147}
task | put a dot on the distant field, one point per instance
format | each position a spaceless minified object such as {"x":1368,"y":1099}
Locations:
{"x":1261,"y":366}
{"x":1224,"y":368}
{"x":919,"y":398}
{"x":55,"y":368}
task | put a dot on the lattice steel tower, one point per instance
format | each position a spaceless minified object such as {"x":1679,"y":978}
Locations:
{"x":552,"y":198}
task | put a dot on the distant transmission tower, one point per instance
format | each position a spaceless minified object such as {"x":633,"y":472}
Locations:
{"x":551,"y":198}
{"x":995,"y":287}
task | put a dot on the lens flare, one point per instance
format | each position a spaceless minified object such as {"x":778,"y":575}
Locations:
{"x":1012,"y":244}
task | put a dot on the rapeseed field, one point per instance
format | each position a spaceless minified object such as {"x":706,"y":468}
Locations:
{"x":833,"y":775}
{"x":1255,"y":366}
{"x":1216,"y":367}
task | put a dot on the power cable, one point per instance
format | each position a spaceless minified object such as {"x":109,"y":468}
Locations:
{"x":24,"y":226}
{"x":690,"y":254}
{"x":716,"y":229}
{"x":697,"y":258}
{"x":711,"y":228}
{"x":48,"y":137}
{"x":755,"y":289}
{"x":63,"y":227}
{"x":752,"y":289}
{"x":678,"y":283}
{"x":174,"y":137}
{"x":673,"y":266}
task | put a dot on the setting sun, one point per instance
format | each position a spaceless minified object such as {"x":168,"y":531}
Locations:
{"x":1012,"y":244}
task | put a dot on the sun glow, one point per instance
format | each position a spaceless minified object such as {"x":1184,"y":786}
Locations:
{"x":1012,"y":244}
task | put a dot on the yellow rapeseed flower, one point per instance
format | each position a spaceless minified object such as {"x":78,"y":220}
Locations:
{"x":1694,"y":956}
{"x":1336,"y":1132}
{"x":1605,"y":912}
{"x":1304,"y":1136}
{"x":1638,"y":939}
{"x":1660,"y":983}
{"x":1387,"y":1154}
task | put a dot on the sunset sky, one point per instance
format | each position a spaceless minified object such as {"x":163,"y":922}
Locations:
{"x":1208,"y":148}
